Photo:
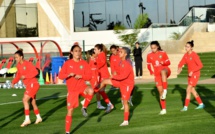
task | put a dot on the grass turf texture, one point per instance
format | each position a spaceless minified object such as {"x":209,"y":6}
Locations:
{"x":144,"y":116}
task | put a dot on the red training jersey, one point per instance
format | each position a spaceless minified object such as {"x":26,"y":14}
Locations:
{"x":193,"y":62}
{"x":114,"y":63}
{"x":94,"y":71}
{"x":28,"y":70}
{"x":101,"y":62}
{"x":126,"y":74}
{"x":157,"y":60}
{"x":78,"y":68}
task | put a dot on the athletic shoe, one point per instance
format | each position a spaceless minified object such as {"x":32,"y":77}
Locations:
{"x":101,"y":107}
{"x":84,"y":112}
{"x":125,"y":123}
{"x":162,"y":112}
{"x":67,"y":133}
{"x":39,"y":120}
{"x":25,"y":123}
{"x":109,"y":108}
{"x":82,"y":102}
{"x":201,"y":106}
{"x":136,"y":77}
{"x":184,"y":109}
{"x":122,"y":108}
{"x":140,"y":77}
{"x":163,"y":96}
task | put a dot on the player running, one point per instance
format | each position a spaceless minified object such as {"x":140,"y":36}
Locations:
{"x":101,"y":62}
{"x":160,"y":62}
{"x":27,"y":72}
{"x":124,"y":80}
{"x":76,"y":71}
{"x":194,"y":66}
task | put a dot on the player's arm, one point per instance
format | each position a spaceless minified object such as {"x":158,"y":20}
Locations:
{"x":32,"y":71}
{"x":181,"y":63}
{"x":63,"y":74}
{"x":149,"y":63}
{"x":166,"y":61}
{"x":198,"y":62}
{"x":124,"y":73}
{"x":87,"y":73}
{"x":17,"y":78}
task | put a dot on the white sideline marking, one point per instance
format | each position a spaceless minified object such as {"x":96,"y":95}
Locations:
{"x":48,"y":98}
{"x":36,"y":99}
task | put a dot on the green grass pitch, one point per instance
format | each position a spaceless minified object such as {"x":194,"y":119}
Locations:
{"x":144,"y":118}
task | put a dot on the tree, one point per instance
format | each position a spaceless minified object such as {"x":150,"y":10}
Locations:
{"x":130,"y":37}
{"x":175,"y":35}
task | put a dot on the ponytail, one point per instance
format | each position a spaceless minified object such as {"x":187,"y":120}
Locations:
{"x":128,"y":52}
{"x":20,"y":53}
{"x":191,"y":43}
{"x":101,"y":47}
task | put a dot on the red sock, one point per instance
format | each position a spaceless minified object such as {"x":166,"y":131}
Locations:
{"x":198,"y":99}
{"x":27,"y":112}
{"x":187,"y":101}
{"x":164,"y":85}
{"x":163,"y":104}
{"x":36,"y":112}
{"x":68,"y":123}
{"x":126,"y":115}
{"x":105,"y":97}
{"x":83,"y":95}
{"x":87,"y":100}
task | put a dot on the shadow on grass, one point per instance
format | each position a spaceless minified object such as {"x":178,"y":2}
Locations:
{"x":182,"y":92}
{"x":96,"y":112}
{"x":19,"y":113}
{"x":207,"y":95}
{"x":137,"y":99}
{"x":155,"y":93}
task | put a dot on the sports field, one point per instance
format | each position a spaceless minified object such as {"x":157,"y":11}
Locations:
{"x":144,"y":118}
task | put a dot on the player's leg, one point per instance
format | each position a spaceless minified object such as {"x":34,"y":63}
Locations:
{"x":98,"y":98}
{"x":89,"y":92}
{"x":126,"y":113}
{"x":164,"y":74}
{"x":198,"y":99}
{"x":187,"y":100}
{"x":68,"y":120}
{"x":25,"y":101}
{"x":36,"y":110}
{"x":104,"y":95}
{"x":162,"y":102}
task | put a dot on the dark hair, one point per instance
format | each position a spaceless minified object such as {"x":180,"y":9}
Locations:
{"x":101,"y":47}
{"x":113,"y":47}
{"x":137,"y":43}
{"x":157,"y":44}
{"x":191,"y":43}
{"x":90,"y":53}
{"x":72,"y":48}
{"x":128,"y":52}
{"x":20,"y":53}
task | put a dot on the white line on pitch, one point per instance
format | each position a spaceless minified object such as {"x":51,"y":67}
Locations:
{"x":46,"y":98}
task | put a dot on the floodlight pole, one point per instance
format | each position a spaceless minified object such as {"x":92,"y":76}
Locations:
{"x":84,"y":55}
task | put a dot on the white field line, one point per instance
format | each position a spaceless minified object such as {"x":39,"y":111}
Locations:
{"x":47,"y":98}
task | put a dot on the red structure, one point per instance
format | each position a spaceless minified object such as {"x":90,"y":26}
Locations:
{"x":30,"y":42}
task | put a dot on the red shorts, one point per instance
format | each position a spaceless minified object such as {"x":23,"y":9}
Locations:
{"x":158,"y":78}
{"x":73,"y":97}
{"x":124,"y":90}
{"x":193,"y":80}
{"x":32,"y":89}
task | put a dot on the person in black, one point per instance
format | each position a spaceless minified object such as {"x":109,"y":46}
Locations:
{"x":138,"y":60}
